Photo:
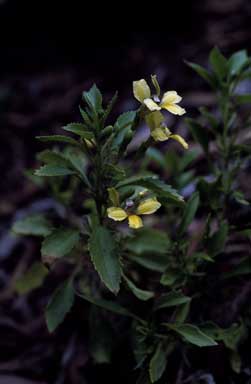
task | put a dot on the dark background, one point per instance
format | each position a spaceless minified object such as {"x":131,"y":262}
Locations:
{"x":50,"y":53}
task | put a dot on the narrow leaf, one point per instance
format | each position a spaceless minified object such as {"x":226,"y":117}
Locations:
{"x":60,"y":242}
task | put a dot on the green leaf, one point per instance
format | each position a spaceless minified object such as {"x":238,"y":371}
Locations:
{"x":199,"y":133}
{"x":53,"y":157}
{"x":171,"y":299}
{"x":243,"y":99}
{"x":217,"y":241}
{"x":35,"y":225}
{"x":113,"y":196}
{"x":157,"y":364}
{"x":169,"y":277}
{"x":237,"y":62}
{"x":78,"y":161}
{"x":79,"y":129}
{"x":189,"y":212}
{"x":202,"y":72}
{"x":31,"y":279}
{"x":181,"y":313}
{"x":51,"y":170}
{"x":58,"y":138}
{"x":243,"y":268}
{"x":59,"y":305}
{"x":60,"y":242}
{"x":93,"y":98}
{"x":139,"y":293}
{"x":123,"y":128}
{"x":108,"y":305}
{"x":155,"y":185}
{"x":192,"y":334}
{"x":148,"y":240}
{"x":219,"y":63}
{"x":105,"y":258}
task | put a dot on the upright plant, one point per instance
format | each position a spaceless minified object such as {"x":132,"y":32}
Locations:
{"x":102,"y":184}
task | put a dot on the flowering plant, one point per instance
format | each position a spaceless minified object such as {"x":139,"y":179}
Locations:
{"x":102,"y":181}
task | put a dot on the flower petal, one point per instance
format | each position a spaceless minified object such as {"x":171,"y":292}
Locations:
{"x":175,"y":109}
{"x":148,"y":206}
{"x":151,"y":105}
{"x":160,"y":134}
{"x":170,"y":97}
{"x":180,"y":140}
{"x":135,"y":221}
{"x":141,"y":90}
{"x":116,"y":213}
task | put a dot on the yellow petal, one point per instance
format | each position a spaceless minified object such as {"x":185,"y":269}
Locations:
{"x":175,"y":109}
{"x":151,"y":105}
{"x":141,"y":90}
{"x":116,"y":213}
{"x":154,"y":119}
{"x":135,"y":221}
{"x":170,"y":97}
{"x":148,"y":206}
{"x":180,"y":140}
{"x":160,"y":134}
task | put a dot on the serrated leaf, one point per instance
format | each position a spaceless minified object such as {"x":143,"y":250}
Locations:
{"x":123,"y":128}
{"x":31,"y":279}
{"x":189,"y":212}
{"x":139,"y":293}
{"x":192,"y":334}
{"x":59,"y":305}
{"x":79,"y":129}
{"x":60,"y":242}
{"x":105,"y":258}
{"x":171,"y":299}
{"x":59,"y":139}
{"x":35,"y":225}
{"x":51,"y":170}
{"x":157,"y":364}
{"x":53,"y":157}
{"x":155,"y":185}
{"x":78,"y":161}
{"x":93,"y":98}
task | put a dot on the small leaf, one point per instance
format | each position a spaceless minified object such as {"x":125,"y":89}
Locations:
{"x":139,"y":293}
{"x":93,"y":98}
{"x":105,"y":258}
{"x":171,"y":299}
{"x":237,"y":62}
{"x":202,"y":72}
{"x":78,"y":161}
{"x":155,"y":185}
{"x":123,"y":128}
{"x":157,"y":364}
{"x":51,"y":170}
{"x":59,"y":305}
{"x":219,"y":63}
{"x":108,"y":305}
{"x":31,"y":279}
{"x":243,"y":99}
{"x":189,"y":212}
{"x":199,"y":133}
{"x":59,"y":138}
{"x":79,"y":129}
{"x":148,"y":240}
{"x":217,"y":241}
{"x":113,"y":196}
{"x":35,"y":225}
{"x":192,"y":334}
{"x":60,"y":242}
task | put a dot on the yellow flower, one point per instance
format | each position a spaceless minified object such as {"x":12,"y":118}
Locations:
{"x":159,"y":132}
{"x":169,"y":100}
{"x":146,"y":207}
